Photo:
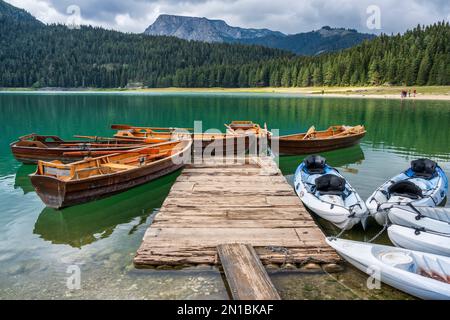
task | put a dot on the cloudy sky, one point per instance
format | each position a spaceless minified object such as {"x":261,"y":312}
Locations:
{"x":288,"y":16}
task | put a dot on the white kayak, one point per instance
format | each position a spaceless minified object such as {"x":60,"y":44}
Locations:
{"x":325,"y":192}
{"x":420,"y":240}
{"x":431,"y":219}
{"x":423,"y":185}
{"x":423,"y":275}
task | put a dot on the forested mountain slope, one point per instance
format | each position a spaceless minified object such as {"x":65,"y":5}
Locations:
{"x":419,"y":57}
{"x":34,"y":54}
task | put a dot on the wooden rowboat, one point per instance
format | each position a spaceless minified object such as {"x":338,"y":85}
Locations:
{"x":237,"y":138}
{"x":33,"y":147}
{"x":133,"y":132}
{"x":335,"y":137}
{"x":246,"y":127}
{"x":62,"y":185}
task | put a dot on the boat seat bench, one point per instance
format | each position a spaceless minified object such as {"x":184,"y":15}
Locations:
{"x":117,"y":166}
{"x":147,"y":158}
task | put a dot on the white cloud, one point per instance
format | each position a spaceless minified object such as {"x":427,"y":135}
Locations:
{"x":41,"y":9}
{"x":284,"y":15}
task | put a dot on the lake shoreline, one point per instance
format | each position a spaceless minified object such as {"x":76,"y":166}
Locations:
{"x":437,"y":93}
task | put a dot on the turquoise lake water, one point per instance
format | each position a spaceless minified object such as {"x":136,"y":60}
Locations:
{"x":38,"y":245}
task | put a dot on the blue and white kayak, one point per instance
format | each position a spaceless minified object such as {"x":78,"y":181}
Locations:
{"x":424,"y":275}
{"x":423,"y":185}
{"x":420,"y":240}
{"x":431,"y":219}
{"x":326,"y":193}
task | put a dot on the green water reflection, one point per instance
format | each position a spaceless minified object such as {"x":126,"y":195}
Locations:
{"x":84,"y":224}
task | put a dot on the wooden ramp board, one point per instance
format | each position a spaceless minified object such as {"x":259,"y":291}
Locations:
{"x":218,"y":202}
{"x":245,"y":274}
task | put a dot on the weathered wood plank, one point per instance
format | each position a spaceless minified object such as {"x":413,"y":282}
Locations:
{"x":229,"y":201}
{"x":241,"y":192}
{"x":286,"y":237}
{"x":205,"y":213}
{"x":174,"y":256}
{"x":245,"y":274}
{"x":237,"y":179}
{"x":214,"y":222}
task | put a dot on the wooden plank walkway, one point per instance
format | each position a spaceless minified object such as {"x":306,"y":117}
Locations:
{"x":245,"y":274}
{"x":246,"y":202}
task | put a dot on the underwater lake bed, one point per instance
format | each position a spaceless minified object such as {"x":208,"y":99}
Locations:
{"x":39,"y":246}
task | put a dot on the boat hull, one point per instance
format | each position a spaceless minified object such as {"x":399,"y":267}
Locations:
{"x":227,"y":145}
{"x":221,"y":144}
{"x":60,"y":194}
{"x":434,"y":195}
{"x":366,"y":257}
{"x":289,"y":146}
{"x":343,"y":213}
{"x":408,"y":238}
{"x":432,"y":219}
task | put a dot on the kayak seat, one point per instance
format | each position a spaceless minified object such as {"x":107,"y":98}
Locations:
{"x":315,"y":164}
{"x":424,"y":168}
{"x":405,"y":189}
{"x":330,"y":184}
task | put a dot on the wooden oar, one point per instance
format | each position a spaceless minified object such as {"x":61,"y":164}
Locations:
{"x":309,"y":132}
{"x":232,"y":131}
{"x":100,"y":153}
{"x":96,"y":145}
{"x":350,"y":131}
{"x":137,"y":140}
{"x":128,"y":127}
{"x":100,"y":138}
{"x":141,"y":150}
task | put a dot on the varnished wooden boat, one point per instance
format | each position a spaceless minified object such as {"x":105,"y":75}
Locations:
{"x":133,"y":132}
{"x":246,"y":127}
{"x":62,"y":185}
{"x":237,"y":139}
{"x":33,"y":147}
{"x":335,"y":137}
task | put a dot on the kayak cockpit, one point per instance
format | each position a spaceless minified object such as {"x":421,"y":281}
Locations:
{"x":415,"y":263}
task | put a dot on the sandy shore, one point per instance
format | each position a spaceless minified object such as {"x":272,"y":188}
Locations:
{"x":437,"y":93}
{"x":435,"y":97}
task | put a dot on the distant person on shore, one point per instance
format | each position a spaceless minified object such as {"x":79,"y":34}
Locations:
{"x":415,"y":93}
{"x":404,"y":94}
{"x":409,"y":93}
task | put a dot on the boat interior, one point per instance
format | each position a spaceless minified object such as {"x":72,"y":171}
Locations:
{"x":118,"y":162}
{"x":331,"y":133}
{"x":424,"y":265}
{"x":432,"y":268}
{"x":142,"y":133}
{"x":235,"y":127}
{"x":165,"y":134}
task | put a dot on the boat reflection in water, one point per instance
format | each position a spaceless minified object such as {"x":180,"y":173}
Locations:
{"x":84,"y":224}
{"x":338,"y":159}
{"x":22,"y":181}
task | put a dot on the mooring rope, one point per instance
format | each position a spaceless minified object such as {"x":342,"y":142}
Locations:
{"x":342,"y":284}
{"x":280,"y":250}
{"x":350,"y":217}
{"x":386,"y":225}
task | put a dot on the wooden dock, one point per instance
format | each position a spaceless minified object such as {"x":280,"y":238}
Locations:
{"x":246,"y":202}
